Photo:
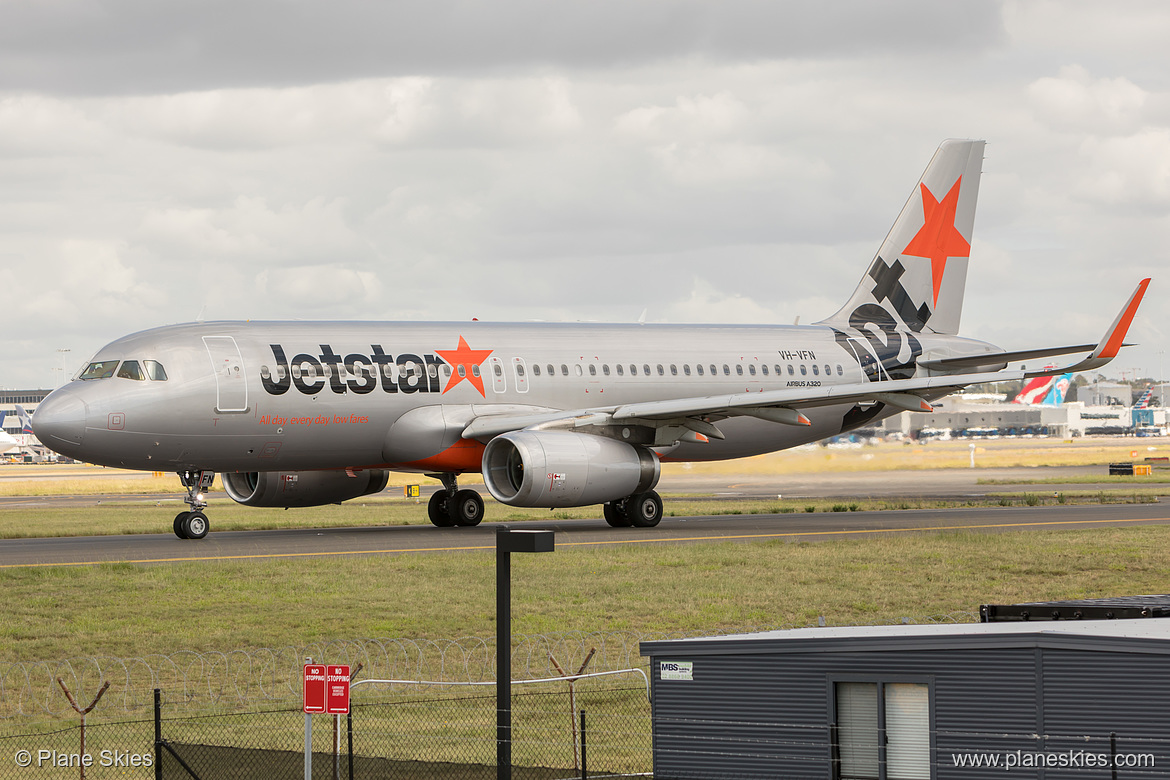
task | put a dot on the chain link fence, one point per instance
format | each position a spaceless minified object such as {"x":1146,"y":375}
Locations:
{"x":242,"y":678}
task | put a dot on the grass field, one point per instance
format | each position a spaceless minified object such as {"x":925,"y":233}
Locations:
{"x":132,"y":610}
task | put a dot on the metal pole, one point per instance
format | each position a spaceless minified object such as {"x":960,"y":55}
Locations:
{"x":308,"y":740}
{"x":157,"y":734}
{"x":349,"y":729}
{"x":584,"y":763}
{"x":503,"y":657}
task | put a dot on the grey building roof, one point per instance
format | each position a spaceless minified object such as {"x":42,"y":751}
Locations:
{"x":1149,"y":636}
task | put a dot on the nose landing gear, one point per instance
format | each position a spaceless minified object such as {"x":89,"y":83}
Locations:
{"x":194,"y":524}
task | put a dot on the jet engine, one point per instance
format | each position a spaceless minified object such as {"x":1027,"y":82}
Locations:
{"x":302,"y":488}
{"x":562,"y":468}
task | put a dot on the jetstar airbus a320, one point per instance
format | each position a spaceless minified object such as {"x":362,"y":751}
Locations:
{"x":553,"y":415}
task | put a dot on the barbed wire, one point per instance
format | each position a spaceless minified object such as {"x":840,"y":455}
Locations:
{"x":210,"y":679}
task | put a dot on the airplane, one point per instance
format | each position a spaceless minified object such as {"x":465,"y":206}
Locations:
{"x":25,"y":421}
{"x":301,"y":413}
{"x":7,"y":443}
{"x":1045,"y":390}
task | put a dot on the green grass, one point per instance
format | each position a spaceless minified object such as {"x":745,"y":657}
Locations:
{"x":131,"y":610}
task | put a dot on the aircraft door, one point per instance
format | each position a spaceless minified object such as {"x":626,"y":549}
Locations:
{"x":521,"y":374}
{"x":231,"y":385}
{"x":499,"y":381}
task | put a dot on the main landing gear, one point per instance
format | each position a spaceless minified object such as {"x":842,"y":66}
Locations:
{"x":451,"y":506}
{"x":641,"y":510}
{"x":194,"y":524}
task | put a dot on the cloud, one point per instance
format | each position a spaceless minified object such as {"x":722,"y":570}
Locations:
{"x":1076,"y":101}
{"x":134,"y":47}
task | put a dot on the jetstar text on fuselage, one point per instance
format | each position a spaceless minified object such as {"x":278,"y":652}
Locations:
{"x":359,"y":372}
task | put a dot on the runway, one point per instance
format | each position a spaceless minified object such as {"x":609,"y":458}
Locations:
{"x":405,"y":540}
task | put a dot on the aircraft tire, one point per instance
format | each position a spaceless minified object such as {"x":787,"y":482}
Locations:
{"x":196,"y":525}
{"x":615,"y":514}
{"x":465,"y":508}
{"x":180,"y":522}
{"x":644,"y":509}
{"x":437,"y":510}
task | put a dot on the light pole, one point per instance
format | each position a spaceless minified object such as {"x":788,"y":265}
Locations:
{"x":1161,"y":380}
{"x":63,"y":374}
{"x":508,"y":542}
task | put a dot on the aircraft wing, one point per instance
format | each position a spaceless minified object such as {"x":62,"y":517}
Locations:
{"x":783,"y":406}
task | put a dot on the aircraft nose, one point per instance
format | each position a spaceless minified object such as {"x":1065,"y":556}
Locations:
{"x":59,"y":420}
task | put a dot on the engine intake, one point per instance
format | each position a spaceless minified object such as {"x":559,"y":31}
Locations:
{"x":301,"y":488}
{"x":562,"y":468}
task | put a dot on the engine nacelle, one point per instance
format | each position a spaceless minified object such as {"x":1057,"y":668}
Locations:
{"x":562,"y":468}
{"x":301,"y":488}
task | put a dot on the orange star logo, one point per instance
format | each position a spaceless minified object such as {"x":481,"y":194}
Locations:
{"x":465,"y":363}
{"x":938,"y":238}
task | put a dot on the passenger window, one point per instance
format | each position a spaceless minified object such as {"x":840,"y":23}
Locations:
{"x":103,"y":369}
{"x":815,"y":371}
{"x":432,"y":371}
{"x":726,"y":370}
{"x":475,"y":370}
{"x":687,"y":369}
{"x":764,"y":369}
{"x":577,"y":369}
{"x":803,"y":369}
{"x":739,"y":369}
{"x":155,"y":371}
{"x":646,"y":369}
{"x":778,"y":371}
{"x":550,"y":370}
{"x":498,"y":369}
{"x":791,"y":370}
{"x":633,"y":370}
{"x":713,"y":371}
{"x":828,"y":371}
{"x":592,"y":370}
{"x":673,"y":370}
{"x":840,"y":371}
{"x":131,"y":370}
{"x":446,"y":370}
{"x":520,"y":369}
{"x":621,"y":370}
{"x":752,"y":369}
{"x":605,"y":369}
{"x":660,"y":371}
{"x":536,"y":369}
{"x":699,"y":369}
{"x":564,"y":370}
{"x":462,"y":371}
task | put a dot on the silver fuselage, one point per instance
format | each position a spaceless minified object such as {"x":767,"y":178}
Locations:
{"x":277,"y":396}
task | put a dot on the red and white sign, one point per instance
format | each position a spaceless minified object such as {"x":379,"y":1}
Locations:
{"x":326,"y":689}
{"x":337,"y":693}
{"x":314,"y":688}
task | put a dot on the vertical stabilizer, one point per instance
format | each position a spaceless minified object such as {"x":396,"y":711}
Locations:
{"x":920,"y":270}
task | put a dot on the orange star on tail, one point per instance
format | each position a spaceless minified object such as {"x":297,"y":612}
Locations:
{"x":938,"y":238}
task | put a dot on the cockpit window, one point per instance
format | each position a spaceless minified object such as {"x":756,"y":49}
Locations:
{"x":101,"y":369}
{"x":155,"y":370}
{"x":131,"y":370}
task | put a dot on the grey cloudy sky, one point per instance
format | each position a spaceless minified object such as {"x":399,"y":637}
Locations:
{"x":537,"y":159}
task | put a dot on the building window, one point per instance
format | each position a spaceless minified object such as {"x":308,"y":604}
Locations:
{"x":873,"y":718}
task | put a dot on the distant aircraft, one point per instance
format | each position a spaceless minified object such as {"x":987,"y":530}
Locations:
{"x":7,"y":443}
{"x":553,"y":415}
{"x":1143,"y":401}
{"x":25,"y":421}
{"x":1045,"y":390}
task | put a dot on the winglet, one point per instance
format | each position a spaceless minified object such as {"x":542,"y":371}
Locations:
{"x":1111,"y":342}
{"x":1109,"y":345}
